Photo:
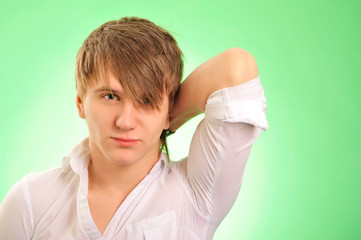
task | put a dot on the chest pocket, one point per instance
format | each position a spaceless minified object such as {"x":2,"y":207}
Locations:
{"x":163,"y":227}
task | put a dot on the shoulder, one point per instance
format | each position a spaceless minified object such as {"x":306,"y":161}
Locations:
{"x":50,"y":183}
{"x":16,"y":219}
{"x":45,"y":176}
{"x":33,"y":182}
{"x":50,"y":191}
{"x":36,"y":196}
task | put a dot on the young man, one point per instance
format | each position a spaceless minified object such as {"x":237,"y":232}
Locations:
{"x":117,"y":183}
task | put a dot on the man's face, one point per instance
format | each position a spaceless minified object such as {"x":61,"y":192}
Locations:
{"x":120,"y":130}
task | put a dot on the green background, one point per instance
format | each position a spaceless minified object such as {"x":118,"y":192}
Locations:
{"x":303,"y":176}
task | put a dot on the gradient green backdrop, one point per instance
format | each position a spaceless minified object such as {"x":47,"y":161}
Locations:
{"x":303,"y":176}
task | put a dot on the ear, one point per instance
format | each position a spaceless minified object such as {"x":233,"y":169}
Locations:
{"x":167,"y":123}
{"x":80,"y":106}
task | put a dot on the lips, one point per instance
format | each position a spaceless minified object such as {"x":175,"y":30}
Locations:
{"x":125,"y":142}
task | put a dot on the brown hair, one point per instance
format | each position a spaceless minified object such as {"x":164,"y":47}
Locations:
{"x":142,"y":56}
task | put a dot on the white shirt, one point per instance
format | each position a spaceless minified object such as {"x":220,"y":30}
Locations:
{"x":177,"y":200}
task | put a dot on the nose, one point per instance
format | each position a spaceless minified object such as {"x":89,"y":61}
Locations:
{"x":126,"y":119}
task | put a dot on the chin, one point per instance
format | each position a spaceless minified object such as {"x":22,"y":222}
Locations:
{"x":121,"y":158}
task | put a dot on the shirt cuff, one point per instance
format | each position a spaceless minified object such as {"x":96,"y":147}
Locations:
{"x":242,"y":103}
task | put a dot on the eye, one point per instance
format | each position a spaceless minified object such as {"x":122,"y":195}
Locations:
{"x":111,"y":96}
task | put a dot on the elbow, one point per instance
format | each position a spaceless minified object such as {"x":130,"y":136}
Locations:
{"x":240,"y":66}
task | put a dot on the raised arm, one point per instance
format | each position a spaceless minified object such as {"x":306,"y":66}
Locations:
{"x":229,"y":68}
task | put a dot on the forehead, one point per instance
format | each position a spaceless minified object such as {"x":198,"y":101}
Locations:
{"x":109,"y":83}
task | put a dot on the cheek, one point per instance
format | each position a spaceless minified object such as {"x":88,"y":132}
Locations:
{"x":154,"y":124}
{"x":163,"y":122}
{"x":98,"y":118}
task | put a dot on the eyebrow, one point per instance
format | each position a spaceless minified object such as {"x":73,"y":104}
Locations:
{"x":107,"y":89}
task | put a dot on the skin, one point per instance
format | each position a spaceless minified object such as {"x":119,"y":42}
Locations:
{"x":227,"y":69}
{"x":114,"y":171}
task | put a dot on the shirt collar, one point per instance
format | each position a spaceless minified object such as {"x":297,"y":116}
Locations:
{"x":78,"y":158}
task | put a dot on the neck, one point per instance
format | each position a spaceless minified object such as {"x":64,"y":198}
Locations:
{"x":105,"y":175}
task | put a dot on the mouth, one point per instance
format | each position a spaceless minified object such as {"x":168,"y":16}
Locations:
{"x":125,"y":142}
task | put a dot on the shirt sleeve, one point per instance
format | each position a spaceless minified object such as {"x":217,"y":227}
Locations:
{"x":15,"y":213}
{"x":234,"y":118}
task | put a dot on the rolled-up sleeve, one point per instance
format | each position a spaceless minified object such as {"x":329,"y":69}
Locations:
{"x":234,"y":118}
